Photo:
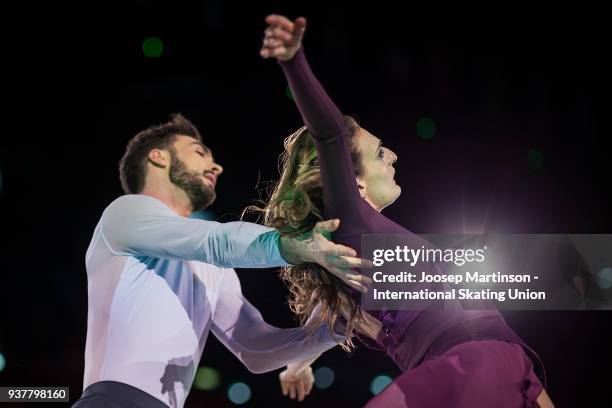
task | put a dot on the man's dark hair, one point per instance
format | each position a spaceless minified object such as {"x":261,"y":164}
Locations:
{"x":133,"y":164}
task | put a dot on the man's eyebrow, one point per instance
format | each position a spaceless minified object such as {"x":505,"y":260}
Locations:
{"x":197,"y":142}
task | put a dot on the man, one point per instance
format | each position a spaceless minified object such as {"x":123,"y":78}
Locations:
{"x":158,"y":281}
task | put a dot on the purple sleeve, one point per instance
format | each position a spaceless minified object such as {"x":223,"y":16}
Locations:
{"x":325,"y":122}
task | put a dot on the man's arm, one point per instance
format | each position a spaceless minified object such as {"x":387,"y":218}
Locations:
{"x":260,"y":346}
{"x":139,"y":225}
{"x":297,"y":379}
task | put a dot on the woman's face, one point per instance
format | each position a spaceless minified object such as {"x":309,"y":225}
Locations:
{"x":377,"y":184}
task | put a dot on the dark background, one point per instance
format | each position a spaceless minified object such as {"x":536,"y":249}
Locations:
{"x":497,"y":81}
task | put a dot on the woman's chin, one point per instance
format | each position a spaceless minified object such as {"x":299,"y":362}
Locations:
{"x":394,"y":197}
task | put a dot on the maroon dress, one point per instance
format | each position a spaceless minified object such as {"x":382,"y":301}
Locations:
{"x":449,"y":358}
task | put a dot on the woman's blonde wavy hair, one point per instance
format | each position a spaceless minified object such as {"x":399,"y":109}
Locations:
{"x":294,"y":207}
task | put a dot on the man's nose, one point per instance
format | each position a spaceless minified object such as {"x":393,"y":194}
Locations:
{"x":217,"y":168}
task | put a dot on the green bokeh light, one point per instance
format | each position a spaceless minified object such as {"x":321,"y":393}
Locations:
{"x":289,"y":94}
{"x":239,"y":393}
{"x":2,"y":362}
{"x":206,"y":378}
{"x":379,"y":383}
{"x":535,"y":159}
{"x":426,"y":128}
{"x":152,"y":47}
{"x":604,"y":278}
{"x":324,"y":377}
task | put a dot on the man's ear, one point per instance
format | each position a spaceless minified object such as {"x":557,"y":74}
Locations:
{"x":158,"y":158}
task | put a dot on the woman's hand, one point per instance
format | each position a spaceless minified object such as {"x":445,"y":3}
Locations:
{"x":283,"y":38}
{"x":296,"y":384}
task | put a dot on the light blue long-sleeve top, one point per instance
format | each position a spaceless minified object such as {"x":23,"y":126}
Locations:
{"x":159,"y":282}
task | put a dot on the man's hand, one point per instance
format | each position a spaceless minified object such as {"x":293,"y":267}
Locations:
{"x":317,"y":248}
{"x":299,"y":384}
{"x":283,"y":38}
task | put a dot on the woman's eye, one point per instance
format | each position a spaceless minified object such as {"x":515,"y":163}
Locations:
{"x":200,"y":153}
{"x":381,"y":153}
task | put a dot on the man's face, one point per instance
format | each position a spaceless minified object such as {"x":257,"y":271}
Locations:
{"x":193,"y":169}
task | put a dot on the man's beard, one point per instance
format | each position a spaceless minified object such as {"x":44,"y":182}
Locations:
{"x":198,"y":192}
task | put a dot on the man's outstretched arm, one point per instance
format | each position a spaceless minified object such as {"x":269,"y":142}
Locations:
{"x":139,"y":225}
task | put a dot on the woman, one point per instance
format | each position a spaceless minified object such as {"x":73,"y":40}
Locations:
{"x":334,"y":168}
